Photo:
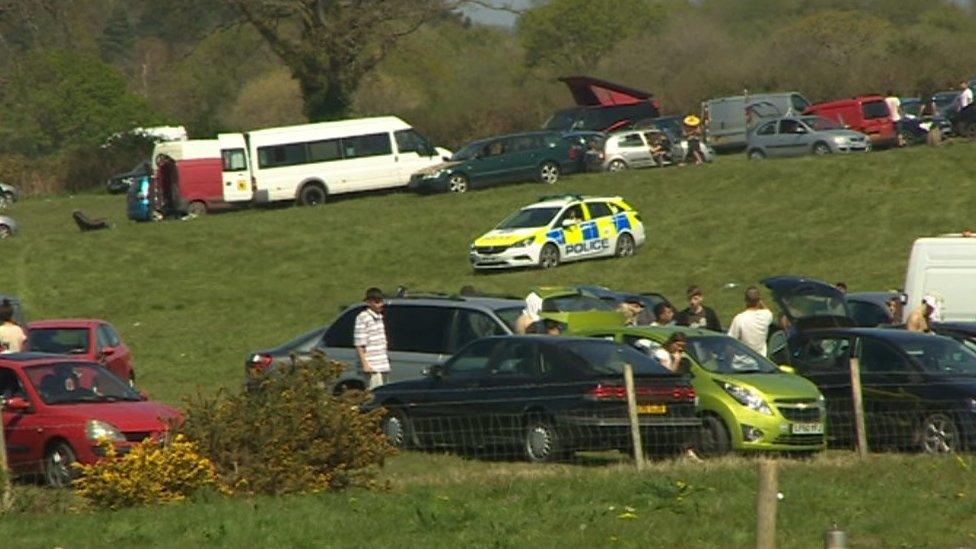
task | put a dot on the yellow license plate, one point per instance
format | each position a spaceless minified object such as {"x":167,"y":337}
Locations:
{"x":652,"y":409}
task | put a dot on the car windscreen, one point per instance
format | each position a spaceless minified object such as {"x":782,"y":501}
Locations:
{"x":942,"y":355}
{"x":727,"y":355}
{"x":468,"y":152}
{"x":608,"y":358}
{"x":811,"y":305}
{"x":527,"y":218}
{"x":60,"y":341}
{"x":576,"y":303}
{"x":509,"y":316}
{"x":72,"y":382}
{"x":819,"y":123}
{"x":875,"y":109}
{"x":911,"y":106}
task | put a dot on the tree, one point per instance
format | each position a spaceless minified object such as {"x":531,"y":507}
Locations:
{"x":117,"y":41}
{"x":330,"y":45}
{"x":576,"y":34}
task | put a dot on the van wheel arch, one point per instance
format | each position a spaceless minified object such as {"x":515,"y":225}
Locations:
{"x":312,"y":192}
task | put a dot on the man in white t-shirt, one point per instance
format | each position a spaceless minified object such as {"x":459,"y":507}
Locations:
{"x":894,"y":106}
{"x":12,"y":336}
{"x":369,"y":337}
{"x":751,"y":326}
{"x":965,"y":97}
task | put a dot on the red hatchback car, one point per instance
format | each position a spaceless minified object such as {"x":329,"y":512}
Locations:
{"x":868,"y":114}
{"x":56,"y":409}
{"x":85,"y":339}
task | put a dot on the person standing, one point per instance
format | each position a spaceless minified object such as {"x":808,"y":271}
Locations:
{"x":663,"y":314}
{"x":920,"y":320}
{"x":965,"y":98}
{"x":369,"y":337}
{"x":12,"y":336}
{"x":751,"y":326}
{"x":894,"y":106}
{"x":697,"y":315}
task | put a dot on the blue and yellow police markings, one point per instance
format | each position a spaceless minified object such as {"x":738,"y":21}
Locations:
{"x":585,"y":241}
{"x":621,"y":221}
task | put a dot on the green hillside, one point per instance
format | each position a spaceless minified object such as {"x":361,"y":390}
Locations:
{"x":193,"y":297}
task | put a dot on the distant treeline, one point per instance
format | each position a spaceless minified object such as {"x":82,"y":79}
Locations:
{"x":73,"y":73}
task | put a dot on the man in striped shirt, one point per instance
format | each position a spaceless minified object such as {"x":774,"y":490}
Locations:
{"x":369,"y":337}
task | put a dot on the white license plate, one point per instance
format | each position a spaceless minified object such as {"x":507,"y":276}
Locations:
{"x":807,"y":428}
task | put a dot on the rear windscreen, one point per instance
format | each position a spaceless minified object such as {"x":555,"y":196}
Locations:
{"x":875,"y":109}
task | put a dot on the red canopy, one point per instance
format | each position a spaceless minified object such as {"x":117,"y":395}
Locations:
{"x":589,"y":91}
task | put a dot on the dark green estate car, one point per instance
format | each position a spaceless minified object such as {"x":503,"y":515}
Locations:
{"x":540,"y":156}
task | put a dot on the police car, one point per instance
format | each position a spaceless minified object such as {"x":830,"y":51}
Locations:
{"x":558,"y":229}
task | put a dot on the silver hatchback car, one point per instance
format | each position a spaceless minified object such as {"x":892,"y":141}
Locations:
{"x":632,"y":149}
{"x":795,"y":136}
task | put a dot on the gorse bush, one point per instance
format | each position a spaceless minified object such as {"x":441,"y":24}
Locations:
{"x":149,"y":474}
{"x":290,"y":433}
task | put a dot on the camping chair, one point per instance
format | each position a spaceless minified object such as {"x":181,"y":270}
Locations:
{"x":86,"y":224}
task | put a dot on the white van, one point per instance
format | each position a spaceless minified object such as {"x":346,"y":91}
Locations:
{"x":944,"y":267}
{"x":309,"y":162}
{"x":725,"y":117}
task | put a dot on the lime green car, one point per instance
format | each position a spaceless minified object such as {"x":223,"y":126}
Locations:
{"x":746,"y":402}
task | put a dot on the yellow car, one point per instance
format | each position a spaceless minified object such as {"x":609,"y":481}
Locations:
{"x":558,"y":229}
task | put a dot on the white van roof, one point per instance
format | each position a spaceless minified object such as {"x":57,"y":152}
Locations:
{"x":338,"y":128}
{"x":188,"y":150}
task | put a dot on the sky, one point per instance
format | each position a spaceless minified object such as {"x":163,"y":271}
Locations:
{"x":495,"y":17}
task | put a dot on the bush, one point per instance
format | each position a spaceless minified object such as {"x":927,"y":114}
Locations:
{"x":149,"y":474}
{"x":290,"y":433}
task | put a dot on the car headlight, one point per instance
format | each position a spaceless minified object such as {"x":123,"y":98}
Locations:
{"x":524,"y":242}
{"x":840,"y":140}
{"x":972,"y":405}
{"x":97,"y":429}
{"x":747,"y":397}
{"x":435,"y":174}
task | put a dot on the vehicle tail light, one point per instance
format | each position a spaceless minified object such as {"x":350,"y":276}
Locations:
{"x":618,"y":392}
{"x":259,"y":364}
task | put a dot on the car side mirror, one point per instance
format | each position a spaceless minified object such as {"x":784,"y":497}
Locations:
{"x":108,"y":351}
{"x":16,"y":404}
{"x":436,"y":371}
{"x":800,"y":130}
{"x":446,"y":158}
{"x":787,"y":369}
{"x":568,"y":222}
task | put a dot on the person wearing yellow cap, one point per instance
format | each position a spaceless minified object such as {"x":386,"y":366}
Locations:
{"x":692,"y":134}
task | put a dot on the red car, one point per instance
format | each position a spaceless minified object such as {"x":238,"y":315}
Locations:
{"x":868,"y":114}
{"x":85,"y":339}
{"x":56,"y":409}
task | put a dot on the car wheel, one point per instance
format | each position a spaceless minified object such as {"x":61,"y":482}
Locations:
{"x":756,"y":154}
{"x":549,"y":173}
{"x":617,"y":166}
{"x":197,"y":208}
{"x":58,"y":469}
{"x":457,"y":183}
{"x":311,"y":195}
{"x":5,"y":232}
{"x":821,"y":149}
{"x":938,"y":434}
{"x":397,"y":428}
{"x":625,"y":245}
{"x":714,"y":437}
{"x":549,"y":256}
{"x":541,"y":442}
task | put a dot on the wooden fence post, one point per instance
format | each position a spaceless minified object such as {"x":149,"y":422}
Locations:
{"x":635,"y":434}
{"x":766,"y":499}
{"x":858,"y":403}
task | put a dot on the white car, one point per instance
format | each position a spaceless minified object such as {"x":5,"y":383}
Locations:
{"x":8,"y":227}
{"x":559,"y":229}
{"x":632,"y":149}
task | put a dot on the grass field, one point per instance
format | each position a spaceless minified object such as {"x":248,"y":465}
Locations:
{"x":192,"y":297}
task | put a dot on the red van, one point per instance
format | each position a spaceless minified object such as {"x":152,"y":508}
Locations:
{"x":867,"y":114}
{"x":199,"y":174}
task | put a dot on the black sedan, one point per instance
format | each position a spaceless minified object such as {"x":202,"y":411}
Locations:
{"x":120,"y":183}
{"x":919,"y":390}
{"x":540,"y":398}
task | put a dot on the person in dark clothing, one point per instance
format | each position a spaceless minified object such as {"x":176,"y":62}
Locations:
{"x":697,"y":315}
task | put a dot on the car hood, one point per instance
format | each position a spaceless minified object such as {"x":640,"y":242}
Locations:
{"x":841,"y":133}
{"x":506,"y":237}
{"x":126,"y":416}
{"x":430,"y":170}
{"x":776,"y":385}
